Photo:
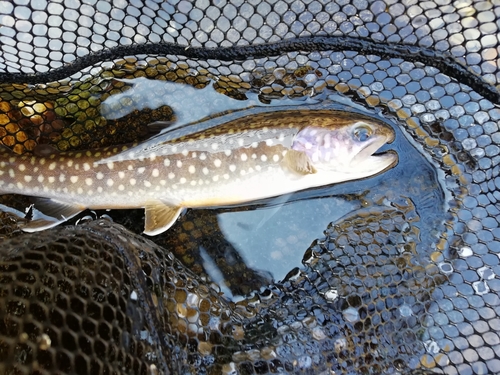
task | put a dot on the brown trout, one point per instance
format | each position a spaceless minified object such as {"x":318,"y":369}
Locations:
{"x":254,"y":157}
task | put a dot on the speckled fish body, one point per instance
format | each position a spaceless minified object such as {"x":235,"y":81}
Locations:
{"x":254,"y":157}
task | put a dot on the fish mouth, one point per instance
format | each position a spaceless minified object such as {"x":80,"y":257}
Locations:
{"x":376,"y":161}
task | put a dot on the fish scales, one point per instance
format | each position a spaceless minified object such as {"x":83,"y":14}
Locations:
{"x":250,"y":158}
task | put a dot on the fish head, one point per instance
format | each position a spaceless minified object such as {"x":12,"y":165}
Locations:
{"x":349,"y":149}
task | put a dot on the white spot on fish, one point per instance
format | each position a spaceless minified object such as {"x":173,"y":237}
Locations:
{"x":166,"y":162}
{"x":163,"y":182}
{"x":110,"y":165}
{"x":179,"y":164}
{"x":214,"y":146}
{"x":182,"y":180}
{"x":133,"y":181}
{"x":269,"y":142}
{"x":99,"y":175}
{"x":227,"y":152}
{"x":191,"y":169}
{"x":121,"y":174}
{"x":110,"y":182}
{"x":40,"y":178}
{"x":205,"y":171}
{"x":276,"y":158}
{"x":203,"y":156}
{"x":86,"y":166}
{"x":27,"y":178}
{"x":171,"y":175}
{"x":243,"y":157}
{"x":193,"y":155}
{"x":88,"y":181}
{"x":152,"y":157}
{"x":232,"y":167}
{"x":242,"y":172}
{"x":155,"y":172}
{"x":52,"y":179}
{"x":73,"y":179}
{"x":121,"y":187}
{"x":11,"y":173}
{"x":215,"y":178}
{"x":22,"y":167}
{"x":254,"y":156}
{"x":185,"y":152}
{"x":52,"y":166}
{"x":226,"y":176}
{"x":130,"y":167}
{"x":79,"y":190}
{"x":99,"y":189}
{"x":217,"y":163}
{"x":240,"y":142}
{"x":315,"y":157}
{"x":69,"y":163}
{"x":263,"y":158}
{"x":193,"y":183}
{"x":141,"y":170}
{"x":254,"y":144}
{"x":62,"y":178}
{"x":147,"y":184}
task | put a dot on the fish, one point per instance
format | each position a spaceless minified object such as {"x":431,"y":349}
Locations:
{"x":241,"y":160}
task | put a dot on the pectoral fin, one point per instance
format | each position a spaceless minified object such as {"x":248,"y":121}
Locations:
{"x":299,"y":162}
{"x":48,"y":213}
{"x":159,"y":217}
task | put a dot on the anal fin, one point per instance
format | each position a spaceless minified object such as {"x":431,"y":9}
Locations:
{"x":159,"y":217}
{"x":49,"y":212}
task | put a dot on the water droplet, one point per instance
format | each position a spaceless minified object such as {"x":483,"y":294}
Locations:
{"x":486,"y":273}
{"x":405,"y":310}
{"x":432,"y":347}
{"x":445,"y":267}
{"x":331,"y":295}
{"x":465,"y":251}
{"x":481,"y":287}
{"x":351,"y":314}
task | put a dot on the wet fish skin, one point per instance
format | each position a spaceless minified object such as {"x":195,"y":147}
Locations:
{"x":254,"y":157}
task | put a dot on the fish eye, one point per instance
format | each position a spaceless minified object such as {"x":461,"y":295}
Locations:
{"x":363,"y":133}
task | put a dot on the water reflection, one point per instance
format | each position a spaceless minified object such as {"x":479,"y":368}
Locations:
{"x":243,"y":249}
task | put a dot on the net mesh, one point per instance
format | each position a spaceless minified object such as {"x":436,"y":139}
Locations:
{"x":386,"y":291}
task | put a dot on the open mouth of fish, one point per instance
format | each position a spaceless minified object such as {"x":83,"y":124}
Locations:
{"x":371,"y":156}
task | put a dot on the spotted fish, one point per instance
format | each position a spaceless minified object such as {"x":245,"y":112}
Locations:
{"x":253,"y":157}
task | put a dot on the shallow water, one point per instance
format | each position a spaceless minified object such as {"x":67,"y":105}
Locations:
{"x":270,"y":236}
